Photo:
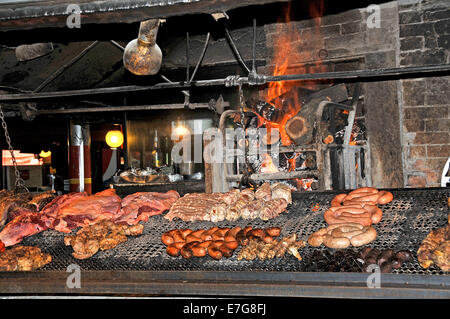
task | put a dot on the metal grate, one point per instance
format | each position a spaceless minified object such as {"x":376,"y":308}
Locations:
{"x":406,"y":221}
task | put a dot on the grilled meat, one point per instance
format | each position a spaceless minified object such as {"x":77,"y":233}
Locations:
{"x":435,"y":249}
{"x":100,"y":236}
{"x":140,"y":206}
{"x":67,"y":212}
{"x":231,"y":206}
{"x":23,"y":258}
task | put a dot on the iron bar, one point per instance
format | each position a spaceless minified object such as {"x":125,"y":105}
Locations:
{"x":200,"y":59}
{"x":254,"y":47}
{"x":124,"y":108}
{"x":360,"y":75}
{"x":64,"y":67}
{"x":236,"y":51}
{"x":274,"y":176}
{"x":117,"y":45}
{"x":187,"y":57}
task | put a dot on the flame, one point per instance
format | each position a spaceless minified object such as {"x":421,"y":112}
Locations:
{"x":288,"y":58}
{"x":287,"y":55}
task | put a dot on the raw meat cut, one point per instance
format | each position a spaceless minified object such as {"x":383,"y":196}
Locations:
{"x":69,"y":211}
{"x":141,"y":205}
{"x":22,"y":226}
{"x":83,"y":210}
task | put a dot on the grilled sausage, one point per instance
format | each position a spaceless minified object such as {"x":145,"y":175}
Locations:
{"x":368,"y":235}
{"x":231,"y":244}
{"x":336,"y":242}
{"x":191,"y":238}
{"x":198,"y":250}
{"x":174,"y":249}
{"x":214,"y":252}
{"x":364,"y":190}
{"x":167,"y":239}
{"x":385,"y":197}
{"x":375,"y":212}
{"x":273,"y":231}
{"x":178,"y":237}
{"x":338,"y":199}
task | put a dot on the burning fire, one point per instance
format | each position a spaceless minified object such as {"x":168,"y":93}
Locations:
{"x":287,"y":57}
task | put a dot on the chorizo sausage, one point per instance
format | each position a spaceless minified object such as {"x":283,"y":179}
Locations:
{"x":214,"y":252}
{"x":197,"y":233}
{"x":178,"y":237}
{"x":365,"y":198}
{"x":185,"y":232}
{"x":226,"y":252}
{"x":232,"y":233}
{"x":174,"y":249}
{"x":338,"y":199}
{"x":273,"y":231}
{"x":364,"y":190}
{"x":198,"y":251}
{"x":167,"y":239}
{"x":375,"y":212}
{"x":191,"y":238}
{"x":385,"y":197}
{"x":231,"y":244}
{"x":204,"y":244}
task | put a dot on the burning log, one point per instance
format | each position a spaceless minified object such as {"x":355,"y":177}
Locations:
{"x":266,"y":111}
{"x":300,"y":128}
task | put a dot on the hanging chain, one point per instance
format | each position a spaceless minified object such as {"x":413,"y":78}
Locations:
{"x":20,"y":183}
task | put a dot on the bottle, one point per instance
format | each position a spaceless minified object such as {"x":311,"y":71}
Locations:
{"x":156,"y":153}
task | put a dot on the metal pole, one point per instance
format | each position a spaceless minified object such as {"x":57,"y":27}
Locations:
{"x":360,"y":75}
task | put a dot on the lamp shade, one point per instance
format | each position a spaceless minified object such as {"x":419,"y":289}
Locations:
{"x":114,"y":138}
{"x":45,"y":154}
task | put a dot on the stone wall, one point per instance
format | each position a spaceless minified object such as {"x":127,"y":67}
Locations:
{"x":424,"y":36}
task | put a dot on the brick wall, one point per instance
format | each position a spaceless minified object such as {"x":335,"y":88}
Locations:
{"x":424,"y":35}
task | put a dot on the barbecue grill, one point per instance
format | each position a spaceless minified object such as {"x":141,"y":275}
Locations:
{"x":141,"y":265}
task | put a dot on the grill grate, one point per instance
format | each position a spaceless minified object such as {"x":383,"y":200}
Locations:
{"x":406,"y":221}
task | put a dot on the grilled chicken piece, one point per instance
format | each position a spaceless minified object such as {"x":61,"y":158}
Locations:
{"x":435,"y":249}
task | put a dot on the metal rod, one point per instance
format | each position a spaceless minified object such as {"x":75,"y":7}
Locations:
{"x":202,"y":55}
{"x":236,"y":51}
{"x":125,"y":108}
{"x":254,"y":47}
{"x":360,"y":75}
{"x":117,"y":45}
{"x":64,"y":67}
{"x":272,"y":176}
{"x":187,"y":57}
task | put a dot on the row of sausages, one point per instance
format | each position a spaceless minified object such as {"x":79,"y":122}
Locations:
{"x":359,"y":206}
{"x":215,"y":242}
{"x":343,"y":235}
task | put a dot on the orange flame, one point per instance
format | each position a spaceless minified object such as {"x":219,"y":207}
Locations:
{"x":287,"y":57}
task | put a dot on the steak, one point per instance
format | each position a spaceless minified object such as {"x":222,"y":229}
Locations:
{"x":141,"y":205}
{"x":81,"y":210}
{"x":22,"y":226}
